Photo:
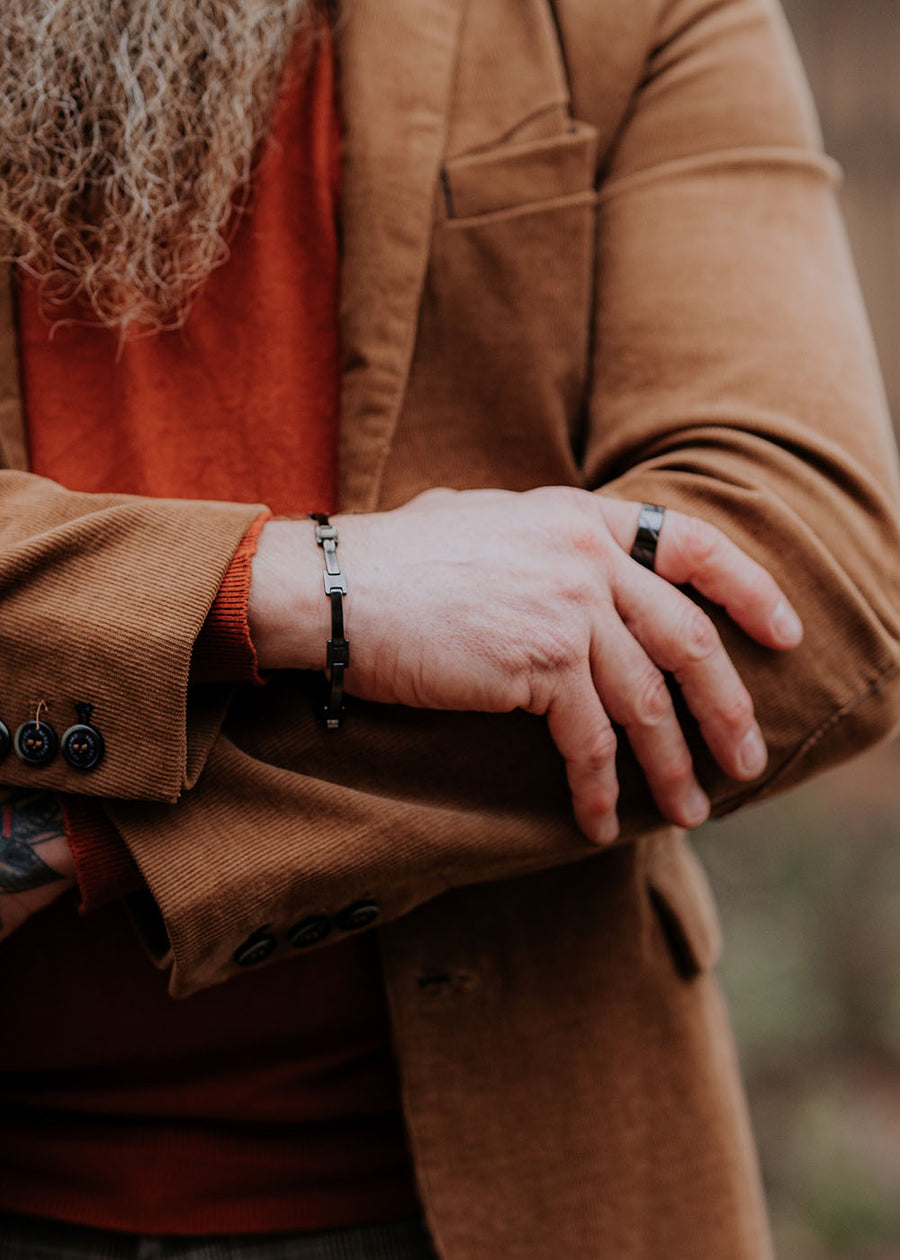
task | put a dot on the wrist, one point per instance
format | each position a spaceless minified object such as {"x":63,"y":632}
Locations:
{"x":287,"y":610}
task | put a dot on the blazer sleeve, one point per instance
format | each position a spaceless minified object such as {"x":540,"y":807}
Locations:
{"x":733,"y":378}
{"x":102,"y":599}
{"x":734,"y":373}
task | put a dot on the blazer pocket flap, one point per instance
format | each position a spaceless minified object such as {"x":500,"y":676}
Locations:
{"x":518,"y":174}
{"x":684,"y":903}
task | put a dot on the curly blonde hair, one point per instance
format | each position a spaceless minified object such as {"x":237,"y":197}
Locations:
{"x":128,"y":127}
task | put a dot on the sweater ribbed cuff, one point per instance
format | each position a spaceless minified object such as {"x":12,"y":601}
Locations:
{"x":104,"y":868}
{"x":223,"y":650}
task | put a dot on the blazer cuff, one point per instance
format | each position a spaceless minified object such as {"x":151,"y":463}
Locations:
{"x":223,"y":650}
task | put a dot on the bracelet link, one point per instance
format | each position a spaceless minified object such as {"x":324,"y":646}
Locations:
{"x":338,"y":653}
{"x":335,"y":582}
{"x":337,"y":649}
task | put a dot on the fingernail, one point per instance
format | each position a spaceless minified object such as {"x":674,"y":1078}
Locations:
{"x":787,"y":625}
{"x":696,"y":809}
{"x":752,"y":754}
{"x":608,"y":830}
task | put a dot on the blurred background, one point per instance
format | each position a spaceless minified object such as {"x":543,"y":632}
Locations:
{"x":809,"y":885}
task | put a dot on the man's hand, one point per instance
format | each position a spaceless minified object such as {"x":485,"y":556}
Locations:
{"x":35,"y":860}
{"x":491,"y":600}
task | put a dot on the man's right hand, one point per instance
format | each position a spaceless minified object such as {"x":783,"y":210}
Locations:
{"x":492,"y":600}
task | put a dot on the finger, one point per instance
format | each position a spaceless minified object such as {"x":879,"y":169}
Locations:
{"x":680,"y":639}
{"x":584,"y":736}
{"x":693,"y":552}
{"x":634,"y":693}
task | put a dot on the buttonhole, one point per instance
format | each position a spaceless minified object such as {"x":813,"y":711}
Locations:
{"x":448,"y":194}
{"x":437,"y":982}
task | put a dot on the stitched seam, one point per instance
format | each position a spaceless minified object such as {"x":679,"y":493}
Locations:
{"x":515,"y":212}
{"x":872,"y":690}
{"x":506,"y":137}
{"x":762,"y":156}
{"x":878,"y":684}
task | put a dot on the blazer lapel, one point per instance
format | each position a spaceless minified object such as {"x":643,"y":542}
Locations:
{"x":13,"y":450}
{"x":396,"y":61}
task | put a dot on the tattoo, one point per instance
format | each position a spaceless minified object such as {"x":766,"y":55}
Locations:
{"x":27,"y":819}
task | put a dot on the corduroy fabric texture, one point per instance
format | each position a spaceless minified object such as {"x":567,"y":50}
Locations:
{"x":223,"y":651}
{"x":690,"y":335}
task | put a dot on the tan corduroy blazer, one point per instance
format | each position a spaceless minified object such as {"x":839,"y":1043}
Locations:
{"x":591,"y":243}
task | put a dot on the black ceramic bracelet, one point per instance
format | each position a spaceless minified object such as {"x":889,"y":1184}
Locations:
{"x":338,"y":650}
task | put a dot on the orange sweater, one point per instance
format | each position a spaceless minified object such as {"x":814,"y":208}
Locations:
{"x":270,"y":1103}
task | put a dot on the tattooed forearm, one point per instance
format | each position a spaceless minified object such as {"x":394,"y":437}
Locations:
{"x":29,"y":820}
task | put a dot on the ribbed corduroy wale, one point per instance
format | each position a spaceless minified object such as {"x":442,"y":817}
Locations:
{"x":691,"y":335}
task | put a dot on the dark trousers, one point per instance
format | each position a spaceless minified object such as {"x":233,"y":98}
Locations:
{"x":28,"y":1238}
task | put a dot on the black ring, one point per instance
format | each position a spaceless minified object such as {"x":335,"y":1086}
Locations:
{"x":646,"y":539}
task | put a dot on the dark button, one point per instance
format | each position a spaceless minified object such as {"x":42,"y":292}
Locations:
{"x":309,"y":931}
{"x":255,"y":949}
{"x":358,"y":916}
{"x":36,"y":743}
{"x":5,"y":739}
{"x":82,"y":747}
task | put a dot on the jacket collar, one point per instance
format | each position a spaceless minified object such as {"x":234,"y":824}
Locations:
{"x":396,"y":70}
{"x":396,"y":64}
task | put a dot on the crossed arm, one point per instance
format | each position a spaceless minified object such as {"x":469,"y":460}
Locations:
{"x":493,"y":601}
{"x":509,"y":601}
{"x":733,"y":380}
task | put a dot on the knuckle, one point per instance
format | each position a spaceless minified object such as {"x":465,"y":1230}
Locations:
{"x":652,"y":700}
{"x":699,"y":638}
{"x":604,"y":798}
{"x":737,"y":712}
{"x":571,"y":590}
{"x":583,"y":539}
{"x":434,"y":495}
{"x":542,"y":494}
{"x":675,"y":770}
{"x":762,"y":588}
{"x":600,"y":754}
{"x":700,"y":542}
{"x":557,"y":498}
{"x":580,"y":530}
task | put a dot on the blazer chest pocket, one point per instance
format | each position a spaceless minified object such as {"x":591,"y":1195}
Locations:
{"x":521,"y":178}
{"x":500,"y":366}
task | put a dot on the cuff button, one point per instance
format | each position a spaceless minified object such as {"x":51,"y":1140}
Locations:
{"x":36,"y":743}
{"x":361,"y":914}
{"x":309,"y":932}
{"x":82,"y":744}
{"x":255,"y":949}
{"x":5,"y":739}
